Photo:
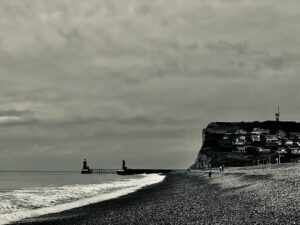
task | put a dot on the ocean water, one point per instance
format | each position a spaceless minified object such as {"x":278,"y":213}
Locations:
{"x":30,"y":194}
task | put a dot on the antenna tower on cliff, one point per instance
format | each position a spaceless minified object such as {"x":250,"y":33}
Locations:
{"x":277,"y":115}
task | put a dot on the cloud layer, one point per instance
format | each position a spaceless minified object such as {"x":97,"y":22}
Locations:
{"x":138,"y":80}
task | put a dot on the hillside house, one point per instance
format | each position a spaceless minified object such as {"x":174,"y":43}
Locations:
{"x":281,"y":150}
{"x":264,"y":150}
{"x":255,"y":137}
{"x":238,"y":141}
{"x":240,"y":132}
{"x":294,"y":136}
{"x":281,"y":134}
{"x":261,"y":131}
{"x":295,"y":151}
{"x":271,"y":138}
{"x":240,"y":149}
{"x":289,"y":142}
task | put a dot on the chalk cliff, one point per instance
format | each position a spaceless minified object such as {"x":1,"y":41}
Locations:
{"x":248,"y":143}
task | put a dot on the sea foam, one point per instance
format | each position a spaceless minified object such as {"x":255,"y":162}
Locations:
{"x":32,"y":202}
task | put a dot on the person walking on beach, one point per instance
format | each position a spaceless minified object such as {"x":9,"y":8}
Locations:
{"x":209,"y":175}
{"x":220,"y":169}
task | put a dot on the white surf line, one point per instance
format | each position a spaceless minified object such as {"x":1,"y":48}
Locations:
{"x":19,"y":215}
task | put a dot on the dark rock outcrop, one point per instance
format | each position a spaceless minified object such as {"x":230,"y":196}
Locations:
{"x":248,"y":143}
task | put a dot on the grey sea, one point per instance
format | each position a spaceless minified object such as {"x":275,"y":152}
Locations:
{"x":30,"y":194}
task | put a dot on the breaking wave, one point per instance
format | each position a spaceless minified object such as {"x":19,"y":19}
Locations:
{"x":31,"y":202}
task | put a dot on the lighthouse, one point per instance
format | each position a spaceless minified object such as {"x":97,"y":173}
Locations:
{"x":85,"y":167}
{"x":277,"y":115}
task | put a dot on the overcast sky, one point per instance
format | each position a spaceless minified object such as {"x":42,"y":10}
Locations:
{"x":138,"y":79}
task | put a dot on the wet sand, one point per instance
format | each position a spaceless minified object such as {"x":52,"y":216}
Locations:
{"x":249,"y":195}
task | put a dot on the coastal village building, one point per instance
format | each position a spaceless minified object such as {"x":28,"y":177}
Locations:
{"x":240,"y":132}
{"x":272,"y":140}
{"x":264,"y":150}
{"x":240,"y":149}
{"x":289,"y":143}
{"x":295,"y":150}
{"x":282,"y":150}
{"x":281,"y":134}
{"x":294,"y":136}
{"x":255,"y":137}
{"x":261,"y":130}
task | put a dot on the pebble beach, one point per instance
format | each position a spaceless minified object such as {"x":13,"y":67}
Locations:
{"x":266,"y":194}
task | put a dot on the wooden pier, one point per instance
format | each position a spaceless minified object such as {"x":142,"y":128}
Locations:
{"x":112,"y":171}
{"x":87,"y":170}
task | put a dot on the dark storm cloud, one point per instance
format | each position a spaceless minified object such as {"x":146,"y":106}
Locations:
{"x":109,"y":80}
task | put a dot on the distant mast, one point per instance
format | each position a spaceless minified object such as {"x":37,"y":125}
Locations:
{"x":277,"y":115}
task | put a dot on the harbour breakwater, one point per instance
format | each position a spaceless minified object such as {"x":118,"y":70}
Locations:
{"x":124,"y":171}
{"x":248,"y":143}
